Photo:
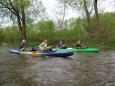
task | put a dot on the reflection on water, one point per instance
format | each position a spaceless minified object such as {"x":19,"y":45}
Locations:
{"x":81,"y":69}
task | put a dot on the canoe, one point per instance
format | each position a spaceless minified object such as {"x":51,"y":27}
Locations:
{"x":79,"y":50}
{"x":49,"y":53}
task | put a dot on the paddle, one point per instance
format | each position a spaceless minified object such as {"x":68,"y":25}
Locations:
{"x":34,"y":52}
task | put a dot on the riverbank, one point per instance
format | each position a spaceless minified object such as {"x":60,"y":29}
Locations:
{"x":102,"y":46}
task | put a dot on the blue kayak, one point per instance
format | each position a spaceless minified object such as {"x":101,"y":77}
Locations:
{"x":49,"y":53}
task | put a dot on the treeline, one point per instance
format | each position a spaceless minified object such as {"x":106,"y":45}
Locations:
{"x":73,"y":30}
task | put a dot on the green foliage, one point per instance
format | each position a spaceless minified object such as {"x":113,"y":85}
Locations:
{"x":31,"y":34}
{"x":74,"y":30}
{"x":107,"y":26}
{"x":1,"y":35}
{"x":21,"y":3}
{"x":45,"y":26}
{"x":21,"y":12}
{"x":77,"y":29}
{"x":11,"y":34}
{"x":45,"y":29}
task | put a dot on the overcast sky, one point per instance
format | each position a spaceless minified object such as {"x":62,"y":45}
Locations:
{"x":51,"y":5}
{"x":108,"y":5}
{"x":104,"y":5}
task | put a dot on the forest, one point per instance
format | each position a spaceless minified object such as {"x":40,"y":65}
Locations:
{"x":29,"y":20}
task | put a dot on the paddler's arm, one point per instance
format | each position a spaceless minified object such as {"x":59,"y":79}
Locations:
{"x":41,"y":46}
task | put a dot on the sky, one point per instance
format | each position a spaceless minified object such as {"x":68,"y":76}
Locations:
{"x":106,"y":6}
{"x":51,"y":5}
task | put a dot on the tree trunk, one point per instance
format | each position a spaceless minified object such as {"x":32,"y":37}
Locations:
{"x":97,"y":18}
{"x":88,"y":18}
{"x":23,"y":21}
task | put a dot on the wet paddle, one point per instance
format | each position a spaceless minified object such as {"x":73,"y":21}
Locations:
{"x":34,"y":52}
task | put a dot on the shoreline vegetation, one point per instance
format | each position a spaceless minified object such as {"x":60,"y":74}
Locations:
{"x":29,"y":20}
{"x":70,"y":33}
{"x":101,"y":46}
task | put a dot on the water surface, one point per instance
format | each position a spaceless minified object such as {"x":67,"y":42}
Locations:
{"x":81,"y":69}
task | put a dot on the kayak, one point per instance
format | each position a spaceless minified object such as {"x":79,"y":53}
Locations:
{"x":79,"y":50}
{"x":49,"y":53}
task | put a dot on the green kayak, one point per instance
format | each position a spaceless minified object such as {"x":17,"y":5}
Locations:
{"x":79,"y":50}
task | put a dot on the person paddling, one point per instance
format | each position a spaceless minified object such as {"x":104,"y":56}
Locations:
{"x":78,"y":45}
{"x":22,"y":45}
{"x":43,"y":46}
{"x":61,"y":45}
{"x":23,"y":48}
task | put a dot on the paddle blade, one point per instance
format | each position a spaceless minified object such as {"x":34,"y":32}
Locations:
{"x":34,"y":52}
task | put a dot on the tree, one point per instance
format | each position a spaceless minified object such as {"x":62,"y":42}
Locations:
{"x":60,"y":12}
{"x":87,"y":7}
{"x":18,"y":10}
{"x":88,"y":16}
{"x":96,"y":17}
{"x":45,"y":29}
{"x":82,"y":6}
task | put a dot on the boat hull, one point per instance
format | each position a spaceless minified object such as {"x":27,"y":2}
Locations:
{"x":79,"y":50}
{"x":49,"y":53}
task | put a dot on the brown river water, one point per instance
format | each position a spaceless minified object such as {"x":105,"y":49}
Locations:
{"x":81,"y":69}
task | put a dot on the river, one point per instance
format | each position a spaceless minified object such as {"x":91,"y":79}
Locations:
{"x":81,"y":69}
